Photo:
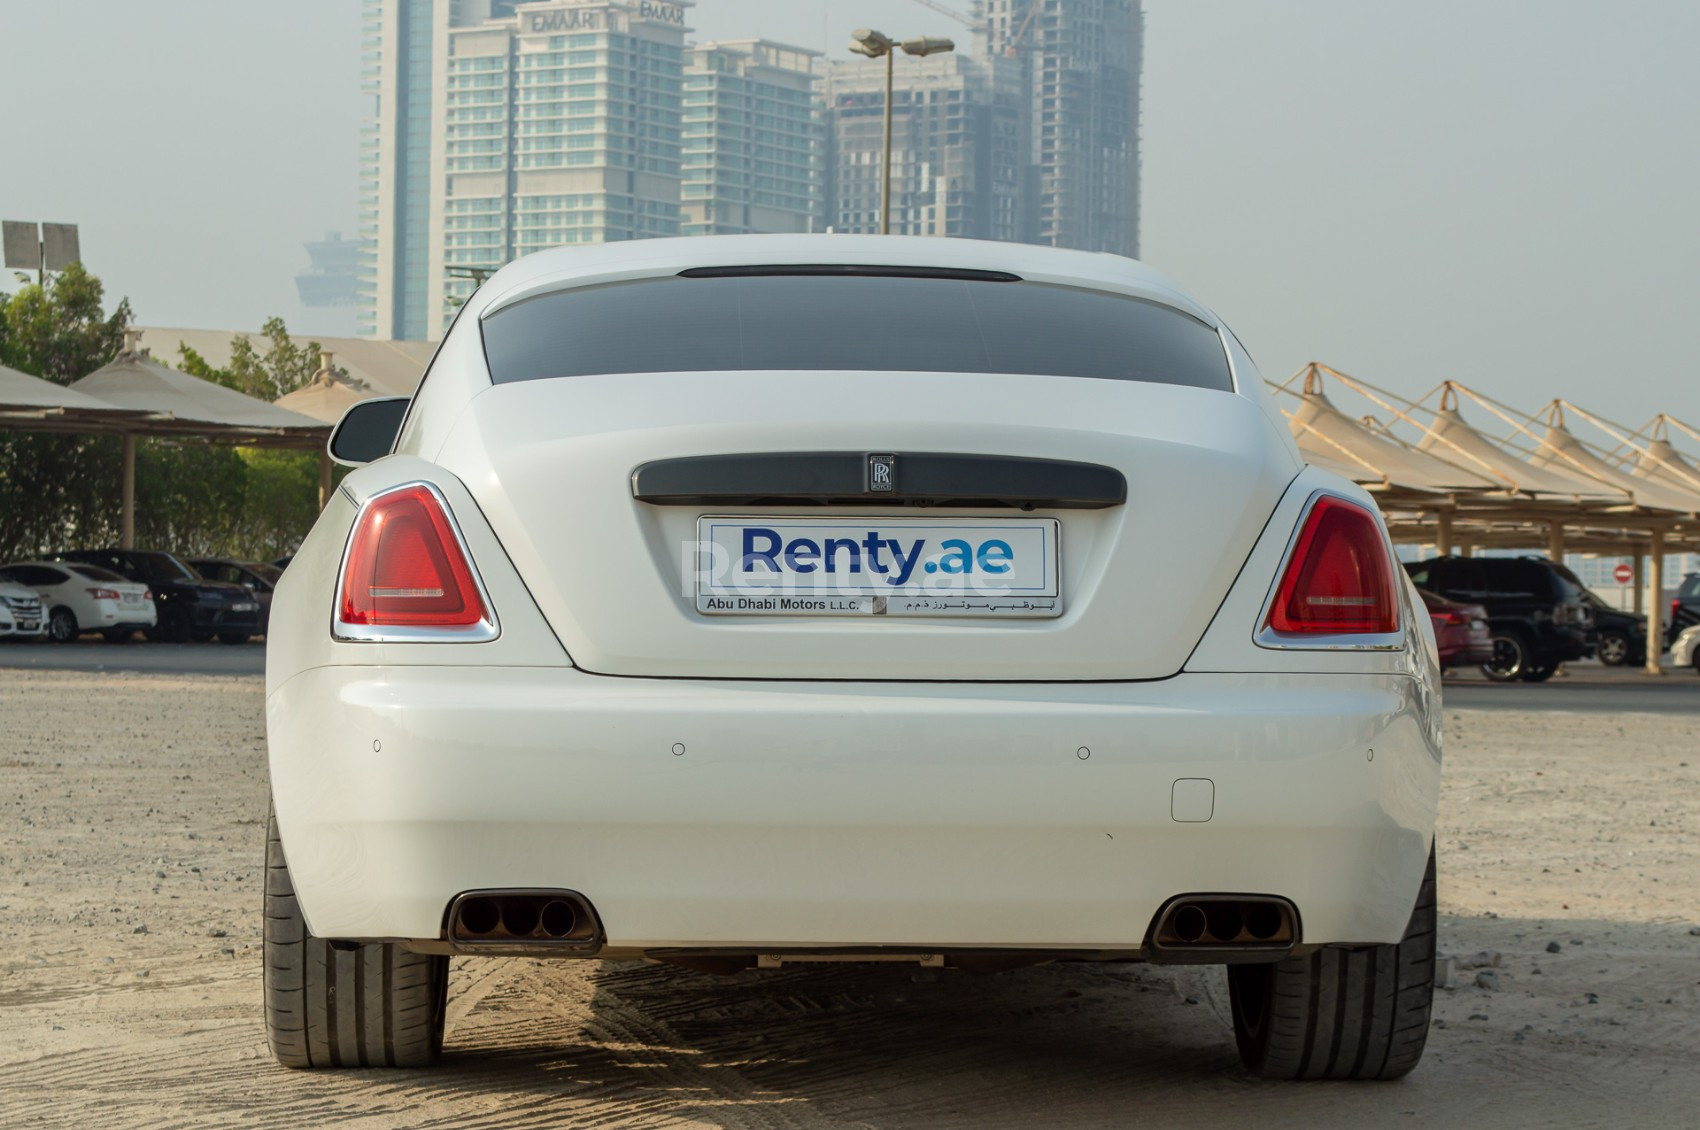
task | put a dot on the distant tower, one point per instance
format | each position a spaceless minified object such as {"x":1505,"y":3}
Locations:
{"x":332,"y":276}
{"x":958,"y":146}
{"x":752,"y":151}
{"x":1081,"y":63}
{"x":501,"y":128}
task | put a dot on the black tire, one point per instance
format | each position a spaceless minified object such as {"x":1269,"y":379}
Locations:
{"x":374,"y":1005}
{"x":1538,"y":672}
{"x":118,"y":635}
{"x":1512,"y":655}
{"x":1340,"y":1013}
{"x":233,"y":637}
{"x":62,"y":626}
{"x":1613,"y":649}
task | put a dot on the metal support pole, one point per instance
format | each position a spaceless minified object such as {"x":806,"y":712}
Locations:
{"x":324,"y":479}
{"x":1655,"y":601}
{"x":1640,"y":582}
{"x":1443,"y":533}
{"x":1555,"y":541}
{"x":885,"y":169}
{"x":127,"y":496}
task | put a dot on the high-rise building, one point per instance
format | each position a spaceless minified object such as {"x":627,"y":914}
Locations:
{"x":752,"y":153}
{"x":958,"y":150}
{"x":501,"y":128}
{"x":1081,"y":62}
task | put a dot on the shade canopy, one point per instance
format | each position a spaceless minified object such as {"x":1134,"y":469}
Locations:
{"x":187,"y":405}
{"x":47,"y":406}
{"x":327,"y":396}
{"x":1452,"y":438}
{"x":1560,"y":449}
{"x":1323,"y":431}
{"x":390,"y":368}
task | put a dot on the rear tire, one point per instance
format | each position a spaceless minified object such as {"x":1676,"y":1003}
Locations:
{"x":233,"y":637}
{"x":118,"y":635}
{"x":1613,"y":649}
{"x":1340,"y":1013}
{"x":1538,"y":672}
{"x":375,"y":1005}
{"x":1512,"y":655}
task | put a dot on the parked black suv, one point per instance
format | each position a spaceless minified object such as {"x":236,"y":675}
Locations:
{"x":1685,"y":609}
{"x":1540,"y":613}
{"x":189,"y":608}
{"x":1620,"y":638}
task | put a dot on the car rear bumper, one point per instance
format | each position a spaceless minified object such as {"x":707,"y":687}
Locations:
{"x":220,"y":618}
{"x":765,"y":814}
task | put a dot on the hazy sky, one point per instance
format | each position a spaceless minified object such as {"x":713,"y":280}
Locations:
{"x":1503,"y":192}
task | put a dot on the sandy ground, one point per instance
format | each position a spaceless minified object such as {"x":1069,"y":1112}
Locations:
{"x":130,"y":847}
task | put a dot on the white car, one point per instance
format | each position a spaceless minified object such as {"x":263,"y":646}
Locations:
{"x":742,"y":601}
{"x":1685,"y":652}
{"x":21,"y":614}
{"x":81,"y":598}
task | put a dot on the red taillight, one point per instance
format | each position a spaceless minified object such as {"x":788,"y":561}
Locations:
{"x":1339,"y":580}
{"x":103,"y":594}
{"x":1674,"y":605}
{"x":405,"y":567}
{"x":1450,"y":617}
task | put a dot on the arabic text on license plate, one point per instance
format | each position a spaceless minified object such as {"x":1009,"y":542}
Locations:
{"x":875,"y":566}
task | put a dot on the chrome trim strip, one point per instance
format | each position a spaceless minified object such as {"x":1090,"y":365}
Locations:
{"x":487,"y":629}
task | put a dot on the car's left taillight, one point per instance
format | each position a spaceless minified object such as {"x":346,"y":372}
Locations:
{"x":104,"y":594}
{"x":406,"y":575}
{"x":1337,"y":587}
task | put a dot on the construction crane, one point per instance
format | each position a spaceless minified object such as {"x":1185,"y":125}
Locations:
{"x":943,"y":10}
{"x":1012,"y":47}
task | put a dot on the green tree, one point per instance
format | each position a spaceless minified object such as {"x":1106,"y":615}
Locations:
{"x":193,"y":497}
{"x":57,"y":486}
{"x":60,"y":331}
{"x":282,"y":368}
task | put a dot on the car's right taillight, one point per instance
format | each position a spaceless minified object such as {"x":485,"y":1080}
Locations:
{"x":1338,"y":580}
{"x":406,"y":576}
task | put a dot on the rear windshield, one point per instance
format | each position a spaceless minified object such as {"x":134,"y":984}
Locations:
{"x":850,"y":321}
{"x":1690,"y":588}
{"x":94,"y":573}
{"x":161,"y":567}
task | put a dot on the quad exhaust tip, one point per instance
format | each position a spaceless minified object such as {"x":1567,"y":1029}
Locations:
{"x":523,"y":919}
{"x":1231,"y":923}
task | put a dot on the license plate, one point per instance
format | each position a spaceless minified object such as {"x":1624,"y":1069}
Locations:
{"x":244,"y":606}
{"x":28,"y":625}
{"x":1000,"y":567}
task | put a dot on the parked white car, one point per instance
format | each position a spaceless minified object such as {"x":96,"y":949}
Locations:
{"x":81,"y":598}
{"x":21,"y":613}
{"x":1685,"y":652}
{"x":735,"y":602}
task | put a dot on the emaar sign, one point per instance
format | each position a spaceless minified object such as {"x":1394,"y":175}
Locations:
{"x":597,"y":18}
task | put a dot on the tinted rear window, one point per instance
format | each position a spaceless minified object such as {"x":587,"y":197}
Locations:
{"x":95,"y":573}
{"x":850,"y":322}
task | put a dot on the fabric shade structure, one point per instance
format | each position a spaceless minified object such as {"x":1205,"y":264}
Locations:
{"x":47,"y":406}
{"x":1560,"y":449}
{"x":171,"y":403}
{"x":329,"y":394}
{"x":326,"y":397}
{"x":1662,"y":463}
{"x":187,"y":405}
{"x":1329,"y":434}
{"x":1451,"y":437}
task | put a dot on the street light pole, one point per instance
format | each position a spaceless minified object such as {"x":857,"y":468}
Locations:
{"x":885,"y":165}
{"x":873,"y":44}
